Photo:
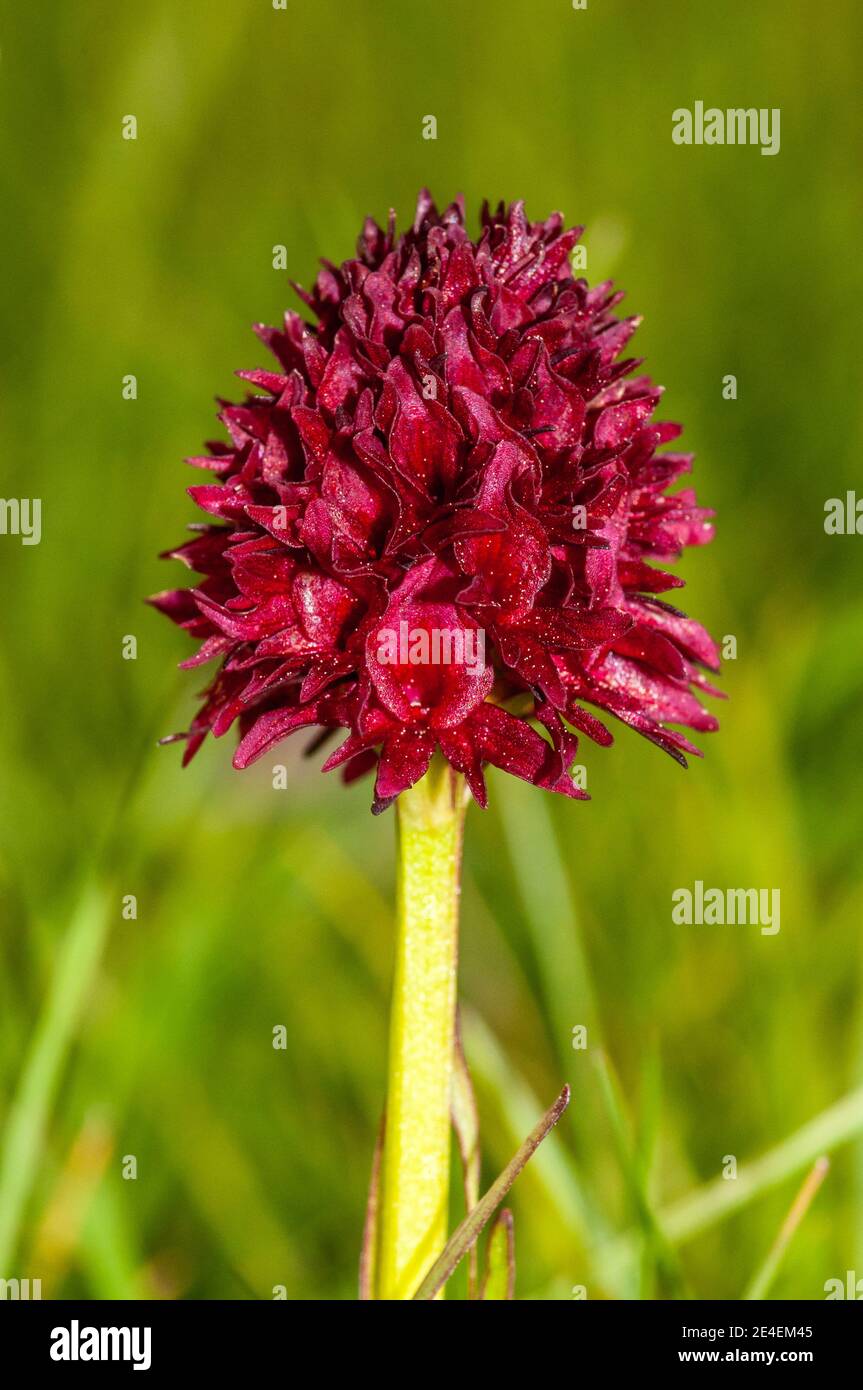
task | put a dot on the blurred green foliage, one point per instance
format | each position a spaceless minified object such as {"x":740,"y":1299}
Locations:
{"x":153,"y":1037}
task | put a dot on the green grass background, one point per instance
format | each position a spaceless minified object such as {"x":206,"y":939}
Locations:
{"x":152,"y":1037}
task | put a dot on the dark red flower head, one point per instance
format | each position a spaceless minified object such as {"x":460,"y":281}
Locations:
{"x":431,"y":529}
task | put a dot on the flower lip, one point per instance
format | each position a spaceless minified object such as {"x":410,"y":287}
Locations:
{"x":427,"y":663}
{"x":436,"y":519}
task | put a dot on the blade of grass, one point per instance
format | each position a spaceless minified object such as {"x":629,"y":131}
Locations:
{"x":550,"y":914}
{"x":707,"y":1205}
{"x":763,"y":1277}
{"x":108,"y":1250}
{"x":227,"y":1191}
{"x":499,"y":1281}
{"x":66,"y":1210}
{"x":657,"y":1248}
{"x":519,"y":1104}
{"x":77,"y":963}
{"x":468,"y":1231}
{"x":465,"y":1119}
{"x":553,"y":1165}
{"x":649,"y":1111}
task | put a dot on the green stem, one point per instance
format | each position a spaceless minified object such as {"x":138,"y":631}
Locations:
{"x":415,"y":1195}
